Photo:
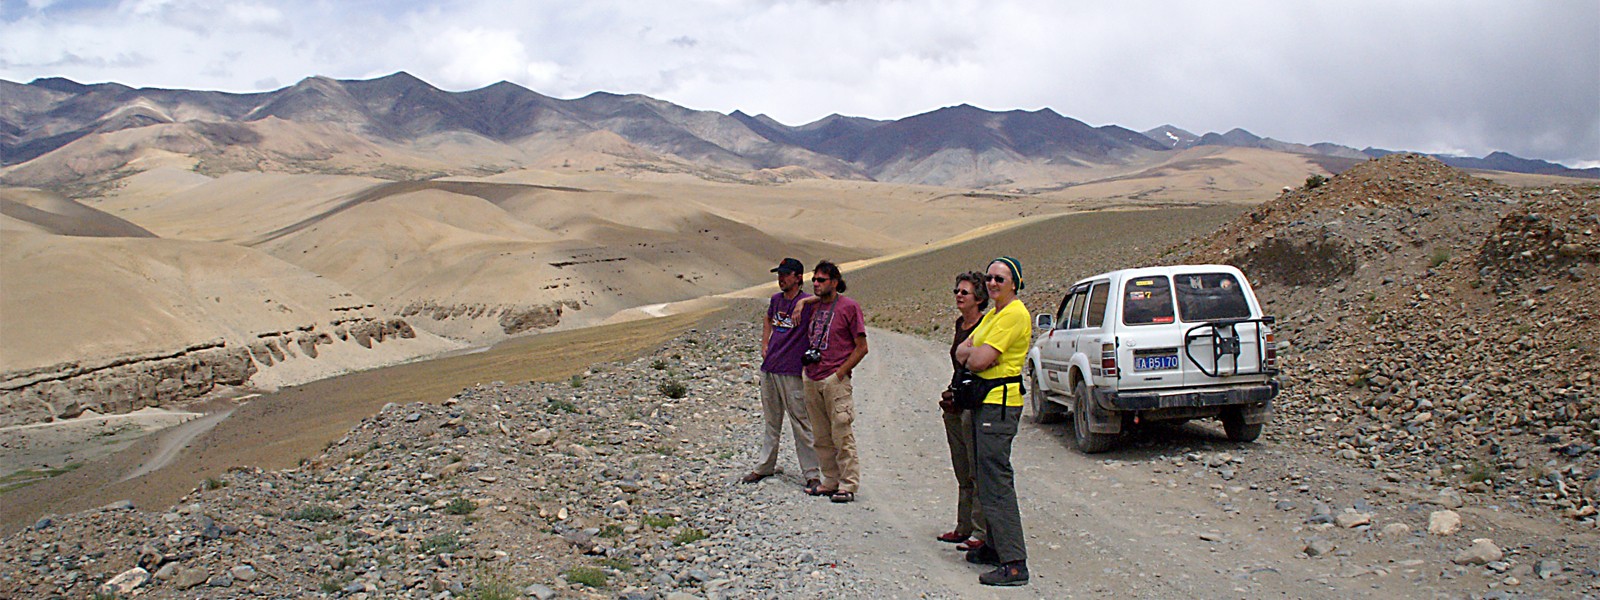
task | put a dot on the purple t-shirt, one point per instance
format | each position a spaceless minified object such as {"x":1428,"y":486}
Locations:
{"x":832,"y":328}
{"x":788,"y":341}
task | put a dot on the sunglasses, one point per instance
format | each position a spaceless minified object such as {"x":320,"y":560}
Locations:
{"x":995,"y":278}
{"x":961,"y":292}
{"x":821,"y":279}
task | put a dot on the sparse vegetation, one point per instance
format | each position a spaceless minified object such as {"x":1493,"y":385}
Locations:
{"x":213,"y":483}
{"x":673,"y":388}
{"x":689,"y":536}
{"x":27,"y":477}
{"x":1315,"y":181}
{"x":660,"y":521}
{"x":554,"y":405}
{"x":658,"y":364}
{"x":316,"y":513}
{"x":588,"y":576}
{"x":460,"y":506}
{"x":444,"y":543}
{"x":1439,"y":256}
{"x":576,"y":381}
{"x":1480,"y":471}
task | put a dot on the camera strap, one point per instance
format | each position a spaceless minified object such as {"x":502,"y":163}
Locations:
{"x":819,"y":342}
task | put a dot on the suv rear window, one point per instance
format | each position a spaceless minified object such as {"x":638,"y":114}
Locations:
{"x":1147,"y":300}
{"x":1211,"y":297}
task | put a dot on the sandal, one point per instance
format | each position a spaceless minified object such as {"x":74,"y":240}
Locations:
{"x":811,"y":487}
{"x":754,"y":476}
{"x":843,"y":497}
{"x":970,"y":545}
{"x":952,"y":537}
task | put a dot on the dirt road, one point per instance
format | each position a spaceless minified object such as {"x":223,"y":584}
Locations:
{"x":1149,"y":521}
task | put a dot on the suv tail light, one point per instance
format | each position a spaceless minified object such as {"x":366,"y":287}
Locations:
{"x":1108,"y":360}
{"x":1272,"y":350}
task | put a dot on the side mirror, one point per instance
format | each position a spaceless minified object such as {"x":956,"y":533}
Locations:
{"x":1043,"y":321}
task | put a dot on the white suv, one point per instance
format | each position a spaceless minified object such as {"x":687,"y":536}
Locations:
{"x":1154,"y":344}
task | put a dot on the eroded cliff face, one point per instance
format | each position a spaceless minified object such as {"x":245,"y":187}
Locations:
{"x":181,"y":375}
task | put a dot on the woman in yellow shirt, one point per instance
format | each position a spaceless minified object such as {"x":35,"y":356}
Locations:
{"x":995,"y":353}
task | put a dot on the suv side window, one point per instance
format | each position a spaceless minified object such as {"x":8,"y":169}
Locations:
{"x":1147,"y":300}
{"x":1211,"y":297}
{"x":1097,"y":304}
{"x":1077,"y":310}
{"x":1061,"y":311}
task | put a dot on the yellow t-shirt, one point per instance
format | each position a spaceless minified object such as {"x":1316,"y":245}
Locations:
{"x":1009,"y":330}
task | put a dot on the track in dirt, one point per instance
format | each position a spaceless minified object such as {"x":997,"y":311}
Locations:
{"x":1111,"y":525}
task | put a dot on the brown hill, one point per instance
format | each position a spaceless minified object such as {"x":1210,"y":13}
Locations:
{"x":1438,"y":326}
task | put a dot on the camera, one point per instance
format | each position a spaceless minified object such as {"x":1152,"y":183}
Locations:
{"x":811,"y":357}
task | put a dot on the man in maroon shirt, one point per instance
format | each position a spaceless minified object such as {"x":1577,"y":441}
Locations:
{"x":782,"y":343}
{"x":836,"y":341}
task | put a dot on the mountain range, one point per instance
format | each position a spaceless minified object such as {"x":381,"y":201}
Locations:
{"x":59,"y":133}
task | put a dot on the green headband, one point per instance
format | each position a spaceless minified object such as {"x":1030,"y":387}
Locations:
{"x":1016,"y":268}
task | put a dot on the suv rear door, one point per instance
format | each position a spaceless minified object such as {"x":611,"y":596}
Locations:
{"x":1150,"y":352}
{"x":1217,"y":297}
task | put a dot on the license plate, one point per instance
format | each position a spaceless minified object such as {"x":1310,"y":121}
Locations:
{"x":1163,"y":361}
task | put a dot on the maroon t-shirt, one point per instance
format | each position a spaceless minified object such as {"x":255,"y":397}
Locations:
{"x":832,"y":328}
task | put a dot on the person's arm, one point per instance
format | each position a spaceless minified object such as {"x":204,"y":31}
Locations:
{"x":964,"y":350}
{"x":981,"y":357}
{"x":855,"y":357}
{"x":766,"y":334}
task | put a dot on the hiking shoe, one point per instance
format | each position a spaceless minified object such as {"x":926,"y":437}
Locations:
{"x":1009,"y":574}
{"x":983,"y":555}
{"x":843,"y":497}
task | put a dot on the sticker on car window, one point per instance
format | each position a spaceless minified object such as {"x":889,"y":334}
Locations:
{"x":1144,"y":282}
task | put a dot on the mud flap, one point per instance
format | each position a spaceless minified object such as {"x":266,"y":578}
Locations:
{"x":1102,"y":420}
{"x":1255,"y":414}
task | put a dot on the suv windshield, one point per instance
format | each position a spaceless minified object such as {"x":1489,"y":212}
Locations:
{"x":1211,"y":297}
{"x":1147,"y":300}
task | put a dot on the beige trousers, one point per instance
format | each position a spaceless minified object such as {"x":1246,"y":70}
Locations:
{"x":833,"y":417}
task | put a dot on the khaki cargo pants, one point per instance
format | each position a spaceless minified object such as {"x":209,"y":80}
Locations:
{"x":833,"y":417}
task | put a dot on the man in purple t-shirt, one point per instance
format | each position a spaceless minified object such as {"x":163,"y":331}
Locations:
{"x":836,"y":340}
{"x":782,"y":343}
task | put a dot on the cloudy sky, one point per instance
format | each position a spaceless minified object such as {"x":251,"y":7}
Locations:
{"x":1462,"y":76}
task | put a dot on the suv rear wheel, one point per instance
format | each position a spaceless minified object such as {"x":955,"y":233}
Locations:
{"x":1233,"y":423}
{"x":1040,"y":408}
{"x":1088,"y":441}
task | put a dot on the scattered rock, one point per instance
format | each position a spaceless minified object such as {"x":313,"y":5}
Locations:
{"x":1481,"y":552}
{"x":1444,"y":522}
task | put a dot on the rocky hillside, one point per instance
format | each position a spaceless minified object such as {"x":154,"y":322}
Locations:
{"x":1438,"y":327}
{"x":613,"y":482}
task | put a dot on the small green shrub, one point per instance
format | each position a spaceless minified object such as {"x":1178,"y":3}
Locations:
{"x":673,"y":388}
{"x":444,"y":543}
{"x":554,"y":406}
{"x":495,"y":588}
{"x":688,"y":536}
{"x":588,"y":576}
{"x":658,"y":364}
{"x":214,"y":483}
{"x":620,"y":564}
{"x":611,"y":531}
{"x":1439,"y":257}
{"x":576,"y":381}
{"x":460,"y":506}
{"x":660,"y":521}
{"x":316,"y":513}
{"x":1481,"y":471}
{"x":1315,"y":181}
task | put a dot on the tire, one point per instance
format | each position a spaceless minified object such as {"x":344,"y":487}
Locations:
{"x":1088,"y":441}
{"x":1237,"y":430}
{"x":1040,"y":409}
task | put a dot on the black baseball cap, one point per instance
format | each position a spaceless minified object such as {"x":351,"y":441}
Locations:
{"x":790,"y":265}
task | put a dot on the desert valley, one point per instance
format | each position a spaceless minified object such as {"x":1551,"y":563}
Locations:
{"x":369,"y":338}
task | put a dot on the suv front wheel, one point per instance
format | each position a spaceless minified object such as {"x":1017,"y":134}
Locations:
{"x":1088,"y":442}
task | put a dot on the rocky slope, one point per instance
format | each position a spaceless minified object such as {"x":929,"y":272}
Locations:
{"x":614,"y":482}
{"x":1437,"y":327}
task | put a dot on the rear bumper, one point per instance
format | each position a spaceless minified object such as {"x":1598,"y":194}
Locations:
{"x":1247,"y":394}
